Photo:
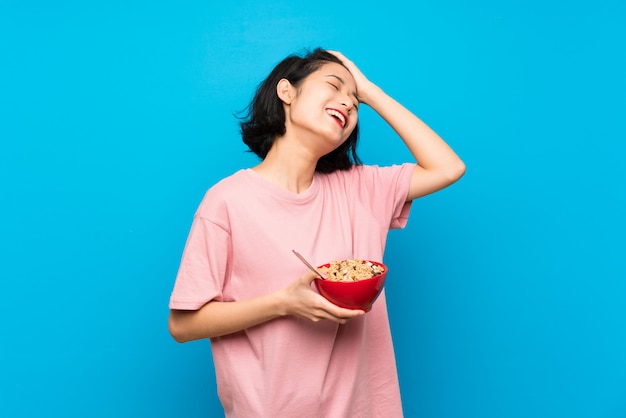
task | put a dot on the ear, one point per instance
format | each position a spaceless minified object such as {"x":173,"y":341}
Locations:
{"x":285,"y":91}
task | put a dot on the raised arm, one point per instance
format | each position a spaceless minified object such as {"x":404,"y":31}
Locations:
{"x":438,"y":166}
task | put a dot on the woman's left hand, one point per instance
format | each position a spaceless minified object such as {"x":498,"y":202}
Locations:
{"x":363,"y":85}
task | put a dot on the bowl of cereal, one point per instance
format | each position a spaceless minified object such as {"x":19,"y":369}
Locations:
{"x":352,"y":284}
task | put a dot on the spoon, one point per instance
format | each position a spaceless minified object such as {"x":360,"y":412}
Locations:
{"x":306,"y":263}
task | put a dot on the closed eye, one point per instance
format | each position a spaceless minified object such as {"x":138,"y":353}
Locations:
{"x":355,"y":104}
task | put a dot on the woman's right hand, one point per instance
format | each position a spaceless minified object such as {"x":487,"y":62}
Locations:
{"x":299,"y":299}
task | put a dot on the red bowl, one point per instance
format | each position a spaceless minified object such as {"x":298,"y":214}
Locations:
{"x":359,"y":294}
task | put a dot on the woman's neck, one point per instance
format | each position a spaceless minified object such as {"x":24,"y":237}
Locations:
{"x":288,"y":168}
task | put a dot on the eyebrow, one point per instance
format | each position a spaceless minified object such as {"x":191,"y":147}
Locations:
{"x":343,"y":82}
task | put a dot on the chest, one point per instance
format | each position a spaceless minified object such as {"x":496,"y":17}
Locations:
{"x":264,"y":233}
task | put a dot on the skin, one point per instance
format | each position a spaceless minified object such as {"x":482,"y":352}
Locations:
{"x":312,"y":132}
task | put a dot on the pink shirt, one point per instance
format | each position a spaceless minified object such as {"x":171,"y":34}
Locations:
{"x":239,"y":247}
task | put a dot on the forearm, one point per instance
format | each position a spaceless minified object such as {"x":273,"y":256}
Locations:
{"x":426,"y":146}
{"x":438,"y":166}
{"x":221,"y":318}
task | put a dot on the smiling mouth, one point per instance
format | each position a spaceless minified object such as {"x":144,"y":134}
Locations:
{"x":340,"y":117}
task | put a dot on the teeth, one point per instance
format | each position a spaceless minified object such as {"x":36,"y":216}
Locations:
{"x":338,"y":115}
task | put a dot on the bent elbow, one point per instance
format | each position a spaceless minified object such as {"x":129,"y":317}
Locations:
{"x":454,"y":172}
{"x":175,"y":330}
{"x":458,"y":171}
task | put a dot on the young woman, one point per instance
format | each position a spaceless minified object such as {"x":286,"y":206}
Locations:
{"x":279,"y":348}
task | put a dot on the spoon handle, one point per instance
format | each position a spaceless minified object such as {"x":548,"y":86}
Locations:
{"x":306,"y":263}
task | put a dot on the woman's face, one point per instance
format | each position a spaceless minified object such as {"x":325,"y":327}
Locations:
{"x":324,"y":105}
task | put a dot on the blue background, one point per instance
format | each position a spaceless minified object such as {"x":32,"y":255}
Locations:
{"x":507,"y":289}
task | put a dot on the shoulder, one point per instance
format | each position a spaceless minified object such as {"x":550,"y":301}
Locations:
{"x":230,"y":185}
{"x":218,"y":196}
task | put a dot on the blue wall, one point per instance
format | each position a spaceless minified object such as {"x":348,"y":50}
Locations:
{"x":507,"y":291}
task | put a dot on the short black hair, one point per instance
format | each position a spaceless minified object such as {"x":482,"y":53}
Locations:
{"x":264,"y":118}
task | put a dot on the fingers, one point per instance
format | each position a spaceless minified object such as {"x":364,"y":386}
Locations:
{"x":309,"y":276}
{"x":307,"y":303}
{"x":322,"y":309}
{"x":362,"y":82}
{"x":348,"y":314}
{"x":337,"y":54}
{"x":346,"y":62}
{"x":339,"y":319}
{"x":336,"y":313}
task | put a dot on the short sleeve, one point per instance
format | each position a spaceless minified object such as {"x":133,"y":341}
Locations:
{"x":203,"y":266}
{"x":385,"y":190}
{"x":400,"y":215}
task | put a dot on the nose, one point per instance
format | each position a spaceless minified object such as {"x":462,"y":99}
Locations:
{"x":347,"y":103}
